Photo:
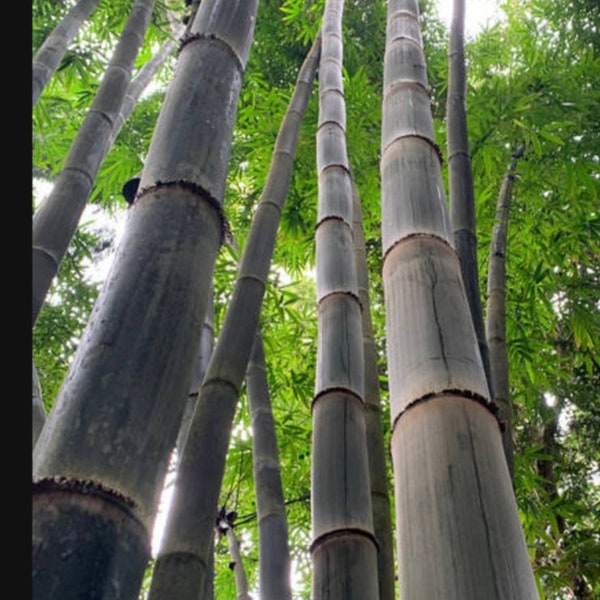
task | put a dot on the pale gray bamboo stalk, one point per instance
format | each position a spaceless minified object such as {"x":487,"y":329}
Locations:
{"x":344,"y":549}
{"x":50,"y":53}
{"x":237,"y":566}
{"x":38,"y":412}
{"x":457,"y":523}
{"x":495,"y":324}
{"x":380,"y":497}
{"x":190,"y":521}
{"x":460,"y":178}
{"x":207,"y":343}
{"x":140,"y":82}
{"x":100,"y":462}
{"x":274,"y":560}
{"x":57,"y":218}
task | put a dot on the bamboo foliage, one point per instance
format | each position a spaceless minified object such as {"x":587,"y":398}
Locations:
{"x":380,"y":499}
{"x":190,"y":521}
{"x":273,"y":550}
{"x":458,"y":529}
{"x":56,"y":220}
{"x":344,"y":550}
{"x":495,"y":324}
{"x":50,"y":53}
{"x":460,"y":178}
{"x":101,"y":459}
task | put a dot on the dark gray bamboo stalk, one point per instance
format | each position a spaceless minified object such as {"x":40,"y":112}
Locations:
{"x":100,"y":462}
{"x":38,"y":413}
{"x":380,"y":498}
{"x":344,"y":549}
{"x":495,"y":324}
{"x":457,"y":523}
{"x":460,"y":178}
{"x":190,"y":521}
{"x":56,"y":220}
{"x":273,"y":550}
{"x":50,"y":53}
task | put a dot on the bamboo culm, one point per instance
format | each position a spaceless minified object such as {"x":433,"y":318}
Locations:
{"x":460,"y":178}
{"x":495,"y":324}
{"x":190,"y":521}
{"x":48,"y":56}
{"x":274,"y":560}
{"x":57,"y":218}
{"x":380,"y":497}
{"x":344,"y":549}
{"x":101,"y":459}
{"x":458,"y":531}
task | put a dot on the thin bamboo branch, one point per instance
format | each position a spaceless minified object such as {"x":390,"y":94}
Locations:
{"x":274,"y":553}
{"x":495,"y":325}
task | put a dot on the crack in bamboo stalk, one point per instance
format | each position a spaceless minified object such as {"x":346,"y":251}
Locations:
{"x":434,"y":283}
{"x":480,"y":496}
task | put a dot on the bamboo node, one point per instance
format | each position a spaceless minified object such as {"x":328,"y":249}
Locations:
{"x":488,"y":404}
{"x":226,"y":234}
{"x":82,"y":486}
{"x":191,"y":38}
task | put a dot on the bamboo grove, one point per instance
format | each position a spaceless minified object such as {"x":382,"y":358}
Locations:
{"x":351,"y":325}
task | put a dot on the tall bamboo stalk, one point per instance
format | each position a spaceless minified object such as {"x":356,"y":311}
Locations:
{"x":273,"y":549}
{"x":101,"y":459}
{"x":50,"y":53}
{"x":205,"y":350}
{"x":380,"y":498}
{"x":344,"y":550}
{"x":495,"y":324}
{"x":458,"y":529}
{"x":460,"y":178}
{"x":190,"y":521}
{"x":140,"y":82}
{"x":38,"y":413}
{"x":56,"y":220}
